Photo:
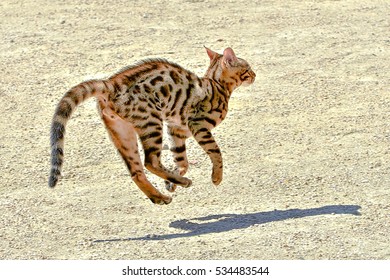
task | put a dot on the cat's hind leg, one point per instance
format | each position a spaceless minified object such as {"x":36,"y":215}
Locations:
{"x":124,"y":137}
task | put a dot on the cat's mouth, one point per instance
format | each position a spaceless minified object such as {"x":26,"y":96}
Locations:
{"x":248,"y":82}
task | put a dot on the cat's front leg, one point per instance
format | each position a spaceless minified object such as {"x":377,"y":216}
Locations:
{"x":202,"y":134}
{"x":151,"y":139}
{"x":177,"y":137}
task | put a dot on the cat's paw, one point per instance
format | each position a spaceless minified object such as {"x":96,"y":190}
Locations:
{"x":161,"y":200}
{"x":188,"y":183}
{"x":171,"y":187}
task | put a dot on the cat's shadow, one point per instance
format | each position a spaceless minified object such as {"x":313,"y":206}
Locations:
{"x":227,"y":222}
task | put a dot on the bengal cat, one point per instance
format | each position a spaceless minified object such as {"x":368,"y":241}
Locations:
{"x":140,"y":98}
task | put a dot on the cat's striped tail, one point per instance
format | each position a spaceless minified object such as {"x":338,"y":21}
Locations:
{"x":63,"y":112}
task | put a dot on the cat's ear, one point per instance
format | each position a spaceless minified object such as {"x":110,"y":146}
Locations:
{"x":229,"y":57}
{"x":210,"y":53}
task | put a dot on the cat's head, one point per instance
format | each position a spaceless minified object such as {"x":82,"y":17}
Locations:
{"x":229,"y":70}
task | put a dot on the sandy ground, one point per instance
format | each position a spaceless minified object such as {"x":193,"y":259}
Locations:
{"x":306,"y":148}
